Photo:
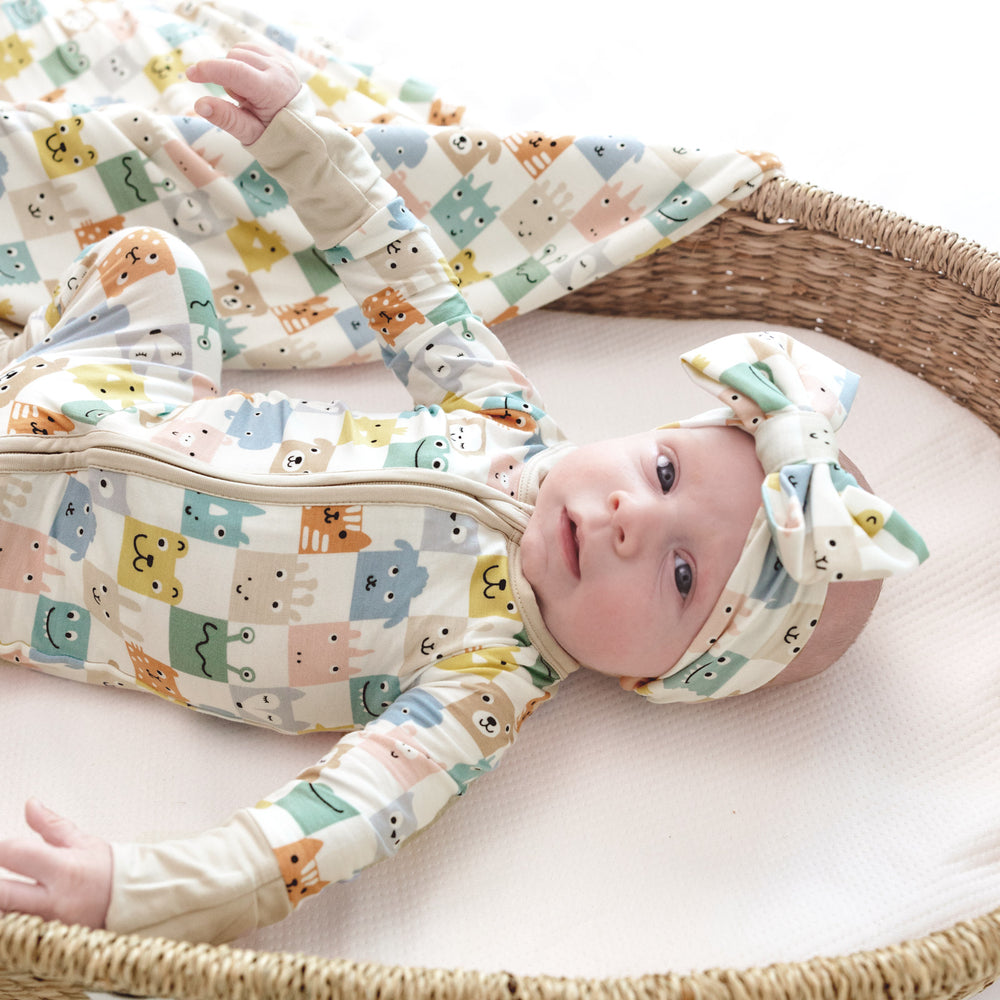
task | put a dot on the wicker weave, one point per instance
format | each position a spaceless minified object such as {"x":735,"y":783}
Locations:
{"x":790,"y":255}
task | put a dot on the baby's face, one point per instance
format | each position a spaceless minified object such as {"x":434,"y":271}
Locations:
{"x":633,"y":539}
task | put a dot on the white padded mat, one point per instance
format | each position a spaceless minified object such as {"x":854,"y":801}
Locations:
{"x":618,"y":838}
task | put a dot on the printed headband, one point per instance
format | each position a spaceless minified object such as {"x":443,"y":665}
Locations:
{"x":815,"y":526}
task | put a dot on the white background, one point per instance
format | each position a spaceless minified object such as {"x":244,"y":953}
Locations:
{"x":894,"y":103}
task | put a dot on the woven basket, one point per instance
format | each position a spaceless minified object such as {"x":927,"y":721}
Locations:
{"x":925,"y":300}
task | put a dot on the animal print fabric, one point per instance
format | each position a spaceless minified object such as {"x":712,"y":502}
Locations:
{"x":286,"y":563}
{"x":97,"y":133}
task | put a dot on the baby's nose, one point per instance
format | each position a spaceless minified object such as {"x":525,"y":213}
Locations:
{"x":631,"y":527}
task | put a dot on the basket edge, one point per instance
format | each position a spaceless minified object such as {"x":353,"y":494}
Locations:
{"x":944,"y":965}
{"x":783,"y":201}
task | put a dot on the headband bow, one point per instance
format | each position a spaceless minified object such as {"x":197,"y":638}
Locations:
{"x":816,"y":525}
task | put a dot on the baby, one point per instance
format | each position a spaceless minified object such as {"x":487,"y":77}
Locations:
{"x":422,"y":580}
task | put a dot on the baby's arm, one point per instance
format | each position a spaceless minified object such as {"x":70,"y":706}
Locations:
{"x":71,"y":871}
{"x":386,"y":258}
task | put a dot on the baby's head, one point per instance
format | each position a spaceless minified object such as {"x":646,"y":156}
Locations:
{"x":655,"y":557}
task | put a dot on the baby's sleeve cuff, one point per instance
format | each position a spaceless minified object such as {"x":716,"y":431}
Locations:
{"x":210,"y":887}
{"x":332,"y":182}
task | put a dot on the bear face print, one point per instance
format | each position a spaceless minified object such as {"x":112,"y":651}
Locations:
{"x":385,"y":582}
{"x":490,"y":590}
{"x":14,"y":379}
{"x":147,"y":562}
{"x":62,"y":148}
{"x":488,"y":716}
{"x":303,"y":456}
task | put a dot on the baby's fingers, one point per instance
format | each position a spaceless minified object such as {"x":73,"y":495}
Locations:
{"x":24,"y":897}
{"x":251,"y":75}
{"x":53,"y":828}
{"x":25,"y":857}
{"x":233,"y":74}
{"x":260,"y":83}
{"x":257,"y":57}
{"x":28,"y":859}
{"x":68,"y":872}
{"x":242,"y":125}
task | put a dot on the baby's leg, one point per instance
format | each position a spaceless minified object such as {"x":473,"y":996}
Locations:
{"x":129,"y":336}
{"x":131,"y":324}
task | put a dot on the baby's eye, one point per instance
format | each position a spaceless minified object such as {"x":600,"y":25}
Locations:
{"x":666,"y":473}
{"x":683,"y":576}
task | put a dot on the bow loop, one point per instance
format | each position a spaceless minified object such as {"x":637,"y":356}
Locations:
{"x":759,"y":375}
{"x":793,"y":399}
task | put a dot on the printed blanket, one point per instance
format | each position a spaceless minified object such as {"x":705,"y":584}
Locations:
{"x":97,"y":132}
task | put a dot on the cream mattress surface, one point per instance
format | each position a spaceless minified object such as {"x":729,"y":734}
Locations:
{"x":850,"y":811}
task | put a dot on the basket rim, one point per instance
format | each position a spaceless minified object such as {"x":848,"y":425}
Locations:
{"x":783,"y":201}
{"x":952,"y":962}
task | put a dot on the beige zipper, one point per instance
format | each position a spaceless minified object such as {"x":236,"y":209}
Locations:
{"x":423,"y":487}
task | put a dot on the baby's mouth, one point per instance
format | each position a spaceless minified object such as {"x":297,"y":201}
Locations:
{"x":570,"y":544}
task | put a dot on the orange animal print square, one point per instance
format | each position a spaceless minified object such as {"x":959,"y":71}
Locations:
{"x":91,"y":232}
{"x":536,"y":151}
{"x":300,"y":315}
{"x":389,"y":314}
{"x":332,"y":529}
{"x":137,"y":256}
{"x":299,"y":869}
{"x":26,"y":418}
{"x":160,"y":678}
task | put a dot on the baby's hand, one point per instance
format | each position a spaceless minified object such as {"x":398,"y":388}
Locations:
{"x":71,"y":871}
{"x":259,"y":80}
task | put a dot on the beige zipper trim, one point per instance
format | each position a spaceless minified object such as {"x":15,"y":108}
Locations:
{"x":21,"y":455}
{"x":423,"y":487}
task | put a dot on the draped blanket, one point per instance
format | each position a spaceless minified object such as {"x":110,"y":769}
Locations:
{"x":97,"y":132}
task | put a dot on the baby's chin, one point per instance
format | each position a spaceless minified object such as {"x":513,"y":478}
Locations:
{"x":631,"y":667}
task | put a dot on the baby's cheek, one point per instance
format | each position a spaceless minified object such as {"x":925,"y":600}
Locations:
{"x":533,"y":557}
{"x":614,"y":631}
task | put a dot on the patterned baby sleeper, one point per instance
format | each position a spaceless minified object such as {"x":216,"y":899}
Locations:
{"x":287,"y":563}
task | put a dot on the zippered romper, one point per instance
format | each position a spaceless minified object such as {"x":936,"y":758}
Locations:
{"x":283,"y":562}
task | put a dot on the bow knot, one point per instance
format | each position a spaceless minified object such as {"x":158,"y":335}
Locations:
{"x":795,"y":437}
